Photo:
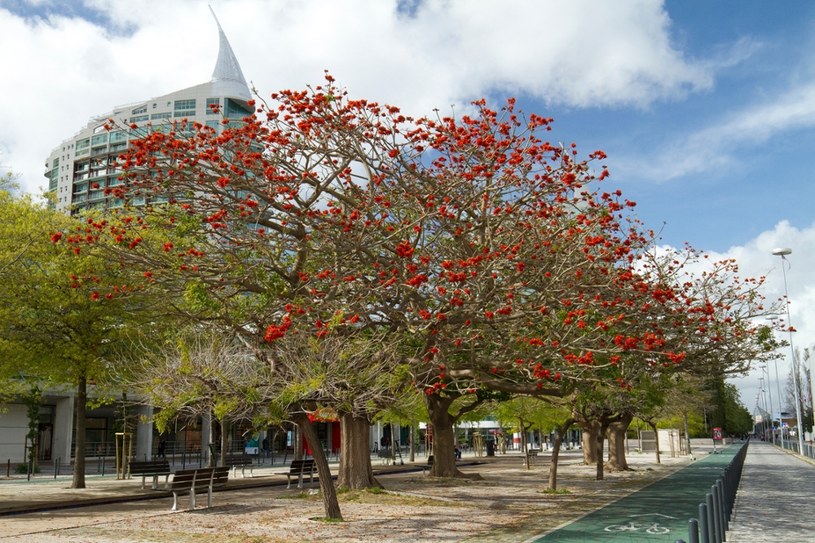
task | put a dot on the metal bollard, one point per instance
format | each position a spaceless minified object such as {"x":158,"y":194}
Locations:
{"x":711,"y":521}
{"x":717,"y":513}
{"x":704,"y":531}
{"x":725,"y":513}
{"x":693,"y":531}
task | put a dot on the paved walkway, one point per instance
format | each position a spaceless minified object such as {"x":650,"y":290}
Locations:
{"x":656,"y":513}
{"x":776,"y":498}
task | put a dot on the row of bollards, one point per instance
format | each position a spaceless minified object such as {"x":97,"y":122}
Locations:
{"x":715,"y":511}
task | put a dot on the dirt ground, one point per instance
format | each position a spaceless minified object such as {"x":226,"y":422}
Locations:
{"x":507,"y":503}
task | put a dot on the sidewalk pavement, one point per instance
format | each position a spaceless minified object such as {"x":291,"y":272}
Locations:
{"x":775,"y":498}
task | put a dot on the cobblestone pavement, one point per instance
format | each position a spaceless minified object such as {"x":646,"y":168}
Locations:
{"x":775,"y":501}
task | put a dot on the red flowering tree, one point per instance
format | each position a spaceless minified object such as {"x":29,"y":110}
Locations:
{"x":703,"y":309}
{"x":501,"y":260}
{"x":488,"y":254}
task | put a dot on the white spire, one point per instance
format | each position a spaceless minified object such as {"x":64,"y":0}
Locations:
{"x":227,"y":67}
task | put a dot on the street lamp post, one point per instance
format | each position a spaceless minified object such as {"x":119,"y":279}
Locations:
{"x":764,"y":401}
{"x":783,"y":252}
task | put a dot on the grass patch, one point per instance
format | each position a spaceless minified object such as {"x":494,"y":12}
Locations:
{"x":379,"y":496}
{"x":302,"y":495}
{"x":555,"y":491}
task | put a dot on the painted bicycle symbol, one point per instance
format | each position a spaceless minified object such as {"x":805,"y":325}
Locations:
{"x":652,"y":528}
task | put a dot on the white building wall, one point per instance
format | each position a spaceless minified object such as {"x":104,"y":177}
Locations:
{"x":63,"y":429}
{"x":13,"y":428}
{"x":144,"y":434}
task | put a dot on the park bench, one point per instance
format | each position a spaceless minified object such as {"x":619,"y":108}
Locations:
{"x":151,"y":468}
{"x":427,"y":467}
{"x":235,"y":461}
{"x":197,"y":480}
{"x":386,"y":455}
{"x":299,"y":469}
{"x":532,"y":457}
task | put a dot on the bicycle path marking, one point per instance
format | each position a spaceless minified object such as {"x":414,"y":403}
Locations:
{"x":657,"y":513}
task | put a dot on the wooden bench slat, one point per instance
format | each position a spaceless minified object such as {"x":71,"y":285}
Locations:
{"x":301,"y":469}
{"x":195,"y":480}
{"x":242,"y":461}
{"x":153,"y":468}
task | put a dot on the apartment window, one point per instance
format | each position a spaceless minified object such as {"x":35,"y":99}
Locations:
{"x":213,"y":102}
{"x":184,"y":104}
{"x":83,"y":144}
{"x":139,"y":118}
{"x":166,"y":115}
{"x":116,"y":137}
{"x":140,"y":110}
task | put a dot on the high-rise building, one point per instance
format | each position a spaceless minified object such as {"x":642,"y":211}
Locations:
{"x":79,"y":170}
{"x":83,"y":166}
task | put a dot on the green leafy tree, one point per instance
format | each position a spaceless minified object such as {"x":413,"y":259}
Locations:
{"x":54,"y":332}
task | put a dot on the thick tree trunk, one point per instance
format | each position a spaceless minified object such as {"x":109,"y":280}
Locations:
{"x":78,"y":480}
{"x":355,"y":455}
{"x":616,"y":443}
{"x":589,"y":439}
{"x":444,"y":456}
{"x":330,"y":501}
{"x":556,"y":452}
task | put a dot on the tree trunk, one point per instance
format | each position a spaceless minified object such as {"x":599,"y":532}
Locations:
{"x":224,"y":440}
{"x":589,"y":439}
{"x":656,"y":439}
{"x":298,"y":443}
{"x":524,"y":448}
{"x":687,"y":435}
{"x":599,"y":440}
{"x":412,"y":443}
{"x":78,"y":480}
{"x":556,"y":452}
{"x":330,"y":502}
{"x":355,"y":454}
{"x":444,"y":456}
{"x":616,"y":443}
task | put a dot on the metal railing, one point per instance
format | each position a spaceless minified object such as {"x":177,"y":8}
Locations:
{"x":792,"y":445}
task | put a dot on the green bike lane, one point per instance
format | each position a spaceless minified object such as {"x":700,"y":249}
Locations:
{"x":656,"y":513}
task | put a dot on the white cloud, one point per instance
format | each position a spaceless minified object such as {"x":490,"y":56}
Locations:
{"x":577,"y":53}
{"x":755,"y":259}
{"x":717,"y":145}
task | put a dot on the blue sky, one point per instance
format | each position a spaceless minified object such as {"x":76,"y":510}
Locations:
{"x":705,"y":108}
